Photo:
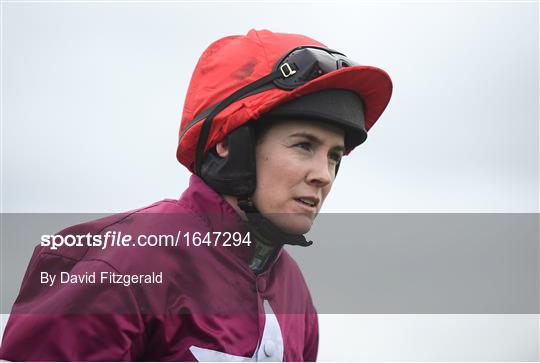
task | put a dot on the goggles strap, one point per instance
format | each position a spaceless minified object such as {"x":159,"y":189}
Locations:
{"x":205,"y":128}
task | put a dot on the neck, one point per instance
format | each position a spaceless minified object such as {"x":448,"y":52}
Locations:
{"x":233,"y":201}
{"x":263,"y":253}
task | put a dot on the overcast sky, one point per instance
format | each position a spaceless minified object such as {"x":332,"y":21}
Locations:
{"x":93,"y":93}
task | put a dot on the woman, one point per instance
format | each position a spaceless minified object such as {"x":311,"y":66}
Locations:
{"x":266,"y":121}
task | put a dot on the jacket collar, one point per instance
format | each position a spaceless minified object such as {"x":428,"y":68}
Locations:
{"x":219,"y":215}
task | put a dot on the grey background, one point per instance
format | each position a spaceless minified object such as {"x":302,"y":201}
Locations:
{"x":436,"y":263}
{"x":92,"y":96}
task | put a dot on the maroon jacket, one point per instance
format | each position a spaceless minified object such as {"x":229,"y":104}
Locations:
{"x":209,"y":305}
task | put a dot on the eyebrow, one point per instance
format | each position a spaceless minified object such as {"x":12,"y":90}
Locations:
{"x":316,"y":140}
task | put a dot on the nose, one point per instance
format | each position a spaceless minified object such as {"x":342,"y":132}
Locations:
{"x":320,"y":172}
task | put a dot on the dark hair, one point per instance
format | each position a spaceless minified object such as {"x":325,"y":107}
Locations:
{"x":262,"y":125}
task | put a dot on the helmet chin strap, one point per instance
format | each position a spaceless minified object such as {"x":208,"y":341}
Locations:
{"x":267,"y":232}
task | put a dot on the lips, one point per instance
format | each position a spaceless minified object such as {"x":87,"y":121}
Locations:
{"x":308,"y":202}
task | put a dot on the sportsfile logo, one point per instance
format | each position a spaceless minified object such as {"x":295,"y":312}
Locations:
{"x":119,"y":239}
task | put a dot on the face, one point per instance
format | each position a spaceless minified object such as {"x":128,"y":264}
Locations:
{"x":296,"y":164}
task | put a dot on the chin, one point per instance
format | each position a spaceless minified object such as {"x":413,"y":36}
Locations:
{"x":292,"y":223}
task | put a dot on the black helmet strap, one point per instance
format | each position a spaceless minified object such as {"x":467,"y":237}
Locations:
{"x":267,"y":232}
{"x":234,"y":174}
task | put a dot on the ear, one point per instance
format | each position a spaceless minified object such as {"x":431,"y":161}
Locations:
{"x":222,"y":148}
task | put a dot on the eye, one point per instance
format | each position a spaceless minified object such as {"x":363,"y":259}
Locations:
{"x":335,"y":156}
{"x":305,"y":146}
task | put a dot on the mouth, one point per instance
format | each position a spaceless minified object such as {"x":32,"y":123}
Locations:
{"x":308,"y":203}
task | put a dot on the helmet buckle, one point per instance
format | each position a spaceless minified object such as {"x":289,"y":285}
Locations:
{"x":286,"y":70}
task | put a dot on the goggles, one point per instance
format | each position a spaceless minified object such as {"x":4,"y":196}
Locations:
{"x":304,"y":64}
{"x":297,"y":67}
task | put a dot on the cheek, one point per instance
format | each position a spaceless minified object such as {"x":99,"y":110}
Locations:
{"x":276,"y":176}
